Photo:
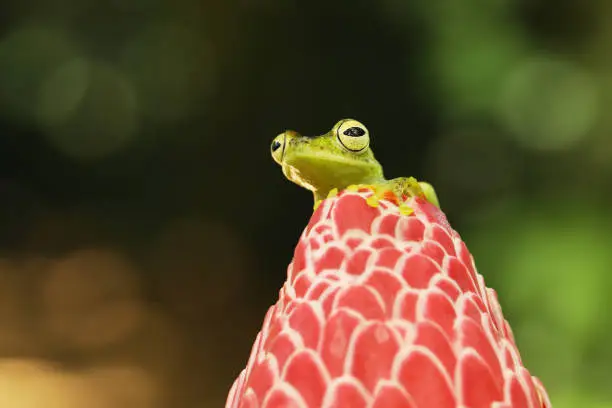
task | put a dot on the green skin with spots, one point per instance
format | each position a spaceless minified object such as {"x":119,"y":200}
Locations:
{"x":340,"y":159}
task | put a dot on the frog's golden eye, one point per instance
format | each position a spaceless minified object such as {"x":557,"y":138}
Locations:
{"x":278,"y":147}
{"x":353,"y":136}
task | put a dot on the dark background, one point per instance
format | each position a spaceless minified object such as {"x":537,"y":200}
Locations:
{"x":145,"y":229}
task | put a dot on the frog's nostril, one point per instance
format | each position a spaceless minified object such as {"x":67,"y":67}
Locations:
{"x":275,"y":145}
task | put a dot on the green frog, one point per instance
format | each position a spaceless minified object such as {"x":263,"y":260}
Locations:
{"x":342,"y":159}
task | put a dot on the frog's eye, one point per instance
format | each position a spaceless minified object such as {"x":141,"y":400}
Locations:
{"x":278,"y":148}
{"x":353,"y":136}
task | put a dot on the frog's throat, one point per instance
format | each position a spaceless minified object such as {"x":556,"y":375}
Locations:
{"x":322,"y":173}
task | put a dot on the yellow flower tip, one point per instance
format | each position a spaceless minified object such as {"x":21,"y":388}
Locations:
{"x":317,"y":204}
{"x":332,"y":193}
{"x":372,"y":201}
{"x":353,"y":188}
{"x":404,"y":209}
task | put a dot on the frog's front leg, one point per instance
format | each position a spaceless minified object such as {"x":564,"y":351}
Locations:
{"x":398,"y":190}
{"x":409,"y":186}
{"x":404,"y":188}
{"x":390,"y":190}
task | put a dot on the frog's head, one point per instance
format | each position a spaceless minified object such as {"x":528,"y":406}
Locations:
{"x":337,"y":159}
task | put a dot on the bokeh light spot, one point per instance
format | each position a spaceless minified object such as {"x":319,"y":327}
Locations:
{"x":28,"y":383}
{"x":548,"y":103}
{"x":472,"y":58}
{"x":201,"y":264}
{"x":88,"y":109}
{"x":63,"y":91}
{"x":123,"y":386}
{"x":32,"y":384}
{"x":14,"y":334}
{"x":27,"y":55}
{"x":92,"y":299}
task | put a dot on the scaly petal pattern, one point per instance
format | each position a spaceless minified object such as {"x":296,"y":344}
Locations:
{"x":384,"y":310}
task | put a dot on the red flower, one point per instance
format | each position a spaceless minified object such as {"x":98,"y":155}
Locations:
{"x":384,"y":310}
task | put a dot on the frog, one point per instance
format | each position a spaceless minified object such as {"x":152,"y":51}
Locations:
{"x":342,"y":159}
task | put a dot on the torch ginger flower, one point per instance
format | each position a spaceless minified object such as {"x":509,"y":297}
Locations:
{"x":383,"y":308}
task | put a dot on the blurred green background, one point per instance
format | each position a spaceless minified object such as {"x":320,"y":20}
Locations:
{"x":145,"y":229}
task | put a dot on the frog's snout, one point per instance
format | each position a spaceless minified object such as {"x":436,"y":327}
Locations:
{"x":277,"y":148}
{"x":279,"y":144}
{"x":276,"y":144}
